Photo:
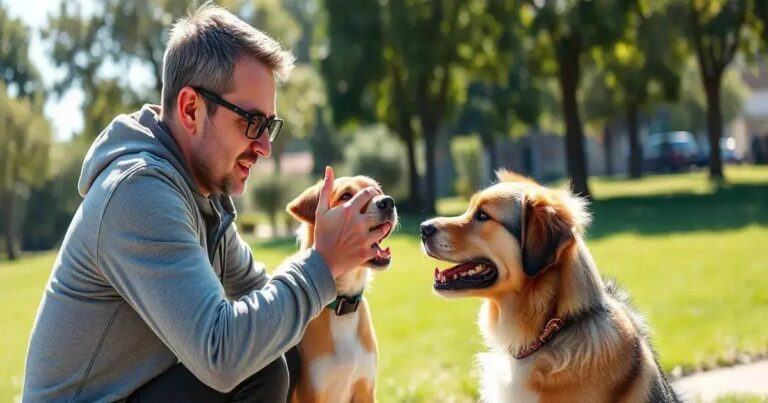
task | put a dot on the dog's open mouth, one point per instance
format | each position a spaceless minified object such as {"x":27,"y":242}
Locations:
{"x":476,"y":273}
{"x":383,"y":256}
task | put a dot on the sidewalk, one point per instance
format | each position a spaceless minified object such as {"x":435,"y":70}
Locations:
{"x":750,"y":379}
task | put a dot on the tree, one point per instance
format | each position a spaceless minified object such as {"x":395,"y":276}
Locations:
{"x":716,"y":31}
{"x":410,"y":60}
{"x":638,"y":71}
{"x":300,"y":100}
{"x":690,"y":111}
{"x":493,"y":110}
{"x":81,"y":45}
{"x":133,"y":34}
{"x":564,"y":31}
{"x":602,"y":111}
{"x":24,"y":132}
{"x":24,"y":142}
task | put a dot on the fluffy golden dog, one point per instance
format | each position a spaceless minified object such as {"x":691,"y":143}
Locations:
{"x":556,"y":332}
{"x":338,"y":351}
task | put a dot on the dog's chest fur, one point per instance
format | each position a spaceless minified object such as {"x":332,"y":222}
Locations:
{"x":336,"y":372}
{"x":503,"y":378}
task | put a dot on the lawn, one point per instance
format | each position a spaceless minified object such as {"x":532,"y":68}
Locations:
{"x":689,"y":252}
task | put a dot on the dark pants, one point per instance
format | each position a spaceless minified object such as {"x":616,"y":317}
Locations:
{"x":179,"y":385}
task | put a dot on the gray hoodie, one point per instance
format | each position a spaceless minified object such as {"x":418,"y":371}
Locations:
{"x":152,"y":273}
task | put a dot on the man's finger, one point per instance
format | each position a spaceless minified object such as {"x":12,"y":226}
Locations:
{"x":324,"y":200}
{"x":362,"y":198}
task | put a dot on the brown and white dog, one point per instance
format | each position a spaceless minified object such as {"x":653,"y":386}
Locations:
{"x":556,"y":332}
{"x":338,"y":351}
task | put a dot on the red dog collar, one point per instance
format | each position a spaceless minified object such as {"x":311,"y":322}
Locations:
{"x":550,"y":330}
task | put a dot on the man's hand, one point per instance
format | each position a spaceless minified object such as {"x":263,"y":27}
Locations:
{"x":342,"y":235}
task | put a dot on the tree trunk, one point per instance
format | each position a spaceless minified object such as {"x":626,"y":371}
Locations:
{"x":405,"y":130}
{"x":413,"y":172}
{"x":489,"y":143}
{"x":273,"y":224}
{"x":608,"y":149}
{"x":9,"y":230}
{"x":430,"y":147}
{"x":574,"y":138}
{"x":277,"y":154}
{"x":635,"y":152}
{"x":714,"y":126}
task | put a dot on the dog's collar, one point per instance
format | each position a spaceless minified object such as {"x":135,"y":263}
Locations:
{"x":550,"y":330}
{"x":343,"y":304}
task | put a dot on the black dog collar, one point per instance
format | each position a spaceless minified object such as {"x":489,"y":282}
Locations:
{"x":343,"y":305}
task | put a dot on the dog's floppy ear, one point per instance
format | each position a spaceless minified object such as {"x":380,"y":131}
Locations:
{"x":304,"y":206}
{"x":546,"y":232}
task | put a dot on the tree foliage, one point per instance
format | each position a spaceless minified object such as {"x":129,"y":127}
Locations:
{"x":563,"y":33}
{"x":718,"y":29}
{"x":405,"y":62}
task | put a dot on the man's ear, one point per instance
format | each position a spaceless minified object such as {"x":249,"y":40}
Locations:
{"x":304,"y":206}
{"x":546,"y":233}
{"x":188,"y":109}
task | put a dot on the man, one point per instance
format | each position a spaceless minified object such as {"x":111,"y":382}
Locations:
{"x":154,"y":295}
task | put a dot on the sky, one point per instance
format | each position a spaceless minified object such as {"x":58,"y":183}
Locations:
{"x":64,"y":113}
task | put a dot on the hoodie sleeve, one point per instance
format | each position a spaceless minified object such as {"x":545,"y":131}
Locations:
{"x":148,"y":248}
{"x":243,"y":274}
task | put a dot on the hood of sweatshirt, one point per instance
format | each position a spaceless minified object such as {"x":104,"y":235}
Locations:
{"x":144,"y":132}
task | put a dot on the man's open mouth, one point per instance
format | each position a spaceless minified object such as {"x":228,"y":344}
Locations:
{"x":473,"y":274}
{"x":383,"y":256}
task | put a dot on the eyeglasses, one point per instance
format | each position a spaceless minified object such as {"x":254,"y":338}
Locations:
{"x":256,"y":122}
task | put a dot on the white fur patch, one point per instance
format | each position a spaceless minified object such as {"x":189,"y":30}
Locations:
{"x":335,"y":374}
{"x":503,"y":379}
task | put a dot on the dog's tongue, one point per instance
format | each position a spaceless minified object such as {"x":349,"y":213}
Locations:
{"x":384,"y":254}
{"x":456,"y":269}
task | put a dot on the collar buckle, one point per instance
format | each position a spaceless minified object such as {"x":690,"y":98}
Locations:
{"x":550,"y":330}
{"x":346,"y":306}
{"x":343,"y":305}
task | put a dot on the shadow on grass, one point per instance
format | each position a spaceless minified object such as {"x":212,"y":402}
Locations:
{"x":729,"y":207}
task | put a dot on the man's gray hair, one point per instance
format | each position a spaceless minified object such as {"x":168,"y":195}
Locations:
{"x":205,"y":45}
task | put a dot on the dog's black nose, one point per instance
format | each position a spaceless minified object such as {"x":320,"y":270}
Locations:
{"x":386,"y":203}
{"x":427,"y":230}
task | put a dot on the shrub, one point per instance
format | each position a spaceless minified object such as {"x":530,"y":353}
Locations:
{"x":377,"y":153}
{"x":467,"y":152}
{"x":272,"y":193}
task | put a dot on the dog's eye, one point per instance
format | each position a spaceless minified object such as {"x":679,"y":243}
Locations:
{"x":481,"y":216}
{"x":345,"y":196}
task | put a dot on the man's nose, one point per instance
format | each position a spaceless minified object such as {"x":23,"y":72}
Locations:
{"x":261,"y":146}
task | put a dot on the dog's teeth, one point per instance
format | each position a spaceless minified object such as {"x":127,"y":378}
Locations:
{"x":455,"y":276}
{"x":471,"y":272}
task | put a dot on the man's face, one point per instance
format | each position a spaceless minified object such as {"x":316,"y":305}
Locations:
{"x":223,"y":155}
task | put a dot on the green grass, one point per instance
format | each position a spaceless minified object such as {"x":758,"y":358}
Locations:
{"x":689,"y":252}
{"x":742,"y":398}
{"x":21,"y":286}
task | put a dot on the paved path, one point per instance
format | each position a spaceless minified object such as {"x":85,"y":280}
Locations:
{"x":749,"y":379}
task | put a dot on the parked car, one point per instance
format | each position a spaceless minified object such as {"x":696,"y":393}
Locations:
{"x":671,"y":152}
{"x":728,"y":153}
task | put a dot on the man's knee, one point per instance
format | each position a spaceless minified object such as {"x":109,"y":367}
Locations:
{"x":268,"y":385}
